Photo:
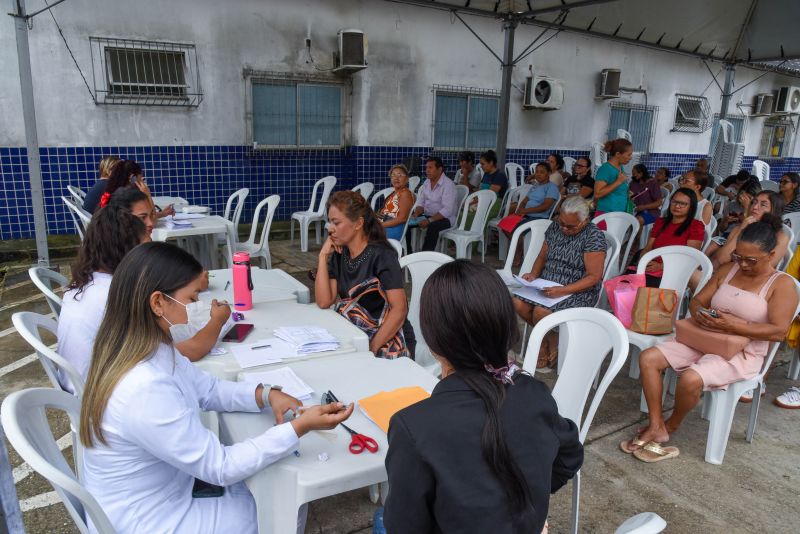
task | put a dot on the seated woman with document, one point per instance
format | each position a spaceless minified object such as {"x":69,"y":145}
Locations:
{"x":566,"y":274}
{"x":147,"y":457}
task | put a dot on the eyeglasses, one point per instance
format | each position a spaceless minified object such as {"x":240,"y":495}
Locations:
{"x":679,"y":204}
{"x":579,"y":165}
{"x":686,"y":181}
{"x":747,"y":260}
{"x":569,"y":226}
{"x":397,"y":174}
{"x":785,"y":182}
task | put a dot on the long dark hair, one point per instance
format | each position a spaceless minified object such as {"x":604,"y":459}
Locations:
{"x":111,"y":234}
{"x":354,"y":206}
{"x":470,"y":338}
{"x":126,"y":198}
{"x":588,"y":166}
{"x":775,"y":201}
{"x":642,"y":168}
{"x":689,"y":216}
{"x":121,"y":175}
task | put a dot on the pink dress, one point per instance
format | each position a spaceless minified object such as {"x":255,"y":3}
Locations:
{"x":716,"y":371}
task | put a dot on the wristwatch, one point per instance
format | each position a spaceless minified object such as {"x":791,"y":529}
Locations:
{"x":265,"y":392}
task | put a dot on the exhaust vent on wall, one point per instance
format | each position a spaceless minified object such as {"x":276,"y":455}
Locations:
{"x":608,"y":84}
{"x":762,"y":104}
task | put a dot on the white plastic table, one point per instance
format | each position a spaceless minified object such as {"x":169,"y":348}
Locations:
{"x":164,"y":201}
{"x":281,"y":488}
{"x":206,"y":227}
{"x":269,"y":285}
{"x":268,"y":316}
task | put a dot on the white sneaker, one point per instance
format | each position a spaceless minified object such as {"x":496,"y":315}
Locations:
{"x":747,"y":396}
{"x":789,"y":400}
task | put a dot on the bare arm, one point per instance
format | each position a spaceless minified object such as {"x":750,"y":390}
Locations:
{"x":403,"y":211}
{"x":203,"y":341}
{"x":396,"y":316}
{"x":544,"y":206}
{"x":325,"y":287}
{"x":603,"y":189}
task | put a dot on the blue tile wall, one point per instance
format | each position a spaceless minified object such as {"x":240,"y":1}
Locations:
{"x":207,"y":175}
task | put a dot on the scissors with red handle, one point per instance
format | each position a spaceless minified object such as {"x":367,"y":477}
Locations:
{"x":359,"y":442}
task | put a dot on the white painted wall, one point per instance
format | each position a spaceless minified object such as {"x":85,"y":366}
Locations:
{"x":410,"y":49}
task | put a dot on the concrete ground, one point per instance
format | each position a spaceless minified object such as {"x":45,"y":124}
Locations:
{"x":755,"y":490}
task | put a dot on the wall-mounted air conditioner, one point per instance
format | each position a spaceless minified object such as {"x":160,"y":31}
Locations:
{"x":543,"y":93}
{"x":788,"y":100}
{"x":763,"y":104}
{"x":352,"y":53}
{"x":608,"y":84}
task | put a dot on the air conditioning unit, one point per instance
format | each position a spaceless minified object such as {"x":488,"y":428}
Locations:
{"x":543,"y":93}
{"x":352,"y":53}
{"x":763,"y":104}
{"x":608,"y":86}
{"x":788,"y":100}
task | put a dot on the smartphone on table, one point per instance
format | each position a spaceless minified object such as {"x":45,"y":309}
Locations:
{"x":238,"y":333}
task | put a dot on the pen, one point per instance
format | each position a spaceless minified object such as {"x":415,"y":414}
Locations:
{"x":260,"y":347}
{"x":227,"y":285}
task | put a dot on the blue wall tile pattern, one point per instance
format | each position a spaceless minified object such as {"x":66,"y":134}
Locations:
{"x":207,"y":175}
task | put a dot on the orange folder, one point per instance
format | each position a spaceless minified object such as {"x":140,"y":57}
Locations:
{"x":379,"y":408}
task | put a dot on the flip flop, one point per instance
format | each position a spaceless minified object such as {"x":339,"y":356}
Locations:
{"x":627,"y":445}
{"x":653,"y":452}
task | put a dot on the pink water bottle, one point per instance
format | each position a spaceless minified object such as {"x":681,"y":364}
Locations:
{"x":242,"y":282}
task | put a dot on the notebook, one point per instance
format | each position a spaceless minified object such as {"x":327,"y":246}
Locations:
{"x":380,"y":408}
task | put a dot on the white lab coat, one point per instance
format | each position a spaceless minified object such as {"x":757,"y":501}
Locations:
{"x":78,"y":323}
{"x":157,"y":446}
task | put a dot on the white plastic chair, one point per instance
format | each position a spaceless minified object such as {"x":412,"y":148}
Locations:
{"x":379,"y":198}
{"x":586,"y":336}
{"x":24,"y":419}
{"x":720,"y":405}
{"x":598,"y":156}
{"x":413,"y":183}
{"x":261,"y":248}
{"x":794,"y":367}
{"x":624,"y":226}
{"x":769,"y":185}
{"x":29,"y":324}
{"x":512,"y":196}
{"x":463,"y":237}
{"x":462,"y":191}
{"x":760,"y":170}
{"x":77,"y":193}
{"x":365,"y":188}
{"x":708,"y":194}
{"x":80,"y":218}
{"x":397,"y":247}
{"x":613,"y":249}
{"x":421,"y":265}
{"x":533,"y":233}
{"x":568,"y":164}
{"x":47,"y":281}
{"x":792,"y":220}
{"x":787,"y":257}
{"x":710,"y":228}
{"x":680,"y":263}
{"x":644,"y":523}
{"x":315,"y":212}
{"x":234,"y":213}
{"x":515,"y":174}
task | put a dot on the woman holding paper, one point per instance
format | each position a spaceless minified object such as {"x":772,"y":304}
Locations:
{"x":486,"y":450}
{"x":572,"y":256}
{"x":140,"y":415}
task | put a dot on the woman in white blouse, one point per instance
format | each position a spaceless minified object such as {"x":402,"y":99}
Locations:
{"x":140,"y":422}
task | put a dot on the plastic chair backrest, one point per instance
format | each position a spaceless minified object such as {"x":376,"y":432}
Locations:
{"x":515,"y":174}
{"x":769,"y":185}
{"x":44,"y":279}
{"x":533,"y":233}
{"x":613,"y":248}
{"x":24,"y":418}
{"x":328,"y":183}
{"x":379,"y":198}
{"x":554,"y":207}
{"x":77,"y":211}
{"x":28,"y":325}
{"x":271,"y":202}
{"x":238,"y":197}
{"x":485,"y":200}
{"x":397,"y":247}
{"x":774,"y":345}
{"x":421,"y":265}
{"x":621,"y":225}
{"x":365,"y":188}
{"x":760,"y":169}
{"x":680,"y":263}
{"x":405,"y":227}
{"x":708,"y":194}
{"x":598,"y":156}
{"x":710,"y":228}
{"x":461,"y":195}
{"x":568,"y":163}
{"x":413,"y":183}
{"x":590,"y":335}
{"x":77,"y":193}
{"x":793,"y":221}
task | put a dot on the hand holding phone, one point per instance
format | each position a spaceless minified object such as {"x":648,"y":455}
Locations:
{"x":710,"y":312}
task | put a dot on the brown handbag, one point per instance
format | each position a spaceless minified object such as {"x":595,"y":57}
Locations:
{"x":654,"y":311}
{"x":691,"y":334}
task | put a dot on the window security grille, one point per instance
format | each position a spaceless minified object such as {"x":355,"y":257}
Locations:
{"x":637,"y":119}
{"x":692,"y":114}
{"x":465,"y":118}
{"x":776,"y":138}
{"x":129,"y":71}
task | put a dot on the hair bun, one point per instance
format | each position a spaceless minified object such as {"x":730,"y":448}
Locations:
{"x":773,"y":221}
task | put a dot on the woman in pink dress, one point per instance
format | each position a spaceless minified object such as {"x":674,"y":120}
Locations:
{"x":749,"y":298}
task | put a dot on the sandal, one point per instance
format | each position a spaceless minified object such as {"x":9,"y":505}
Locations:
{"x":629,"y":446}
{"x":544,"y":364}
{"x":653,"y":452}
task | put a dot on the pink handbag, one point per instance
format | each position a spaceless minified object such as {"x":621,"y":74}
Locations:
{"x":621,"y":292}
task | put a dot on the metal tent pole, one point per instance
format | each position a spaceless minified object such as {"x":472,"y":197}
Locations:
{"x":727,"y":90}
{"x":509,"y":27}
{"x":31,"y":136}
{"x":10,"y":514}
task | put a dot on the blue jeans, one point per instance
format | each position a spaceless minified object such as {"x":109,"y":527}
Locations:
{"x":395,"y":232}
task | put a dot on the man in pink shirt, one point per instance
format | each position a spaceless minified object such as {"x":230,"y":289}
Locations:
{"x":436,"y":202}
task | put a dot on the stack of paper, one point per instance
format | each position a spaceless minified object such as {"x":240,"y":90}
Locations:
{"x":307,"y":339}
{"x":533,"y":291}
{"x":172,"y":223}
{"x":380,"y":408}
{"x":195,"y":209}
{"x":285,"y":377}
{"x":187,"y":216}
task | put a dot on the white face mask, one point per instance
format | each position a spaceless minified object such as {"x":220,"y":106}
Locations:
{"x":198,"y":314}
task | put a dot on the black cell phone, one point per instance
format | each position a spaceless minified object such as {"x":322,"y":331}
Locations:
{"x":203,"y":490}
{"x":238,"y":332}
{"x":709,"y":312}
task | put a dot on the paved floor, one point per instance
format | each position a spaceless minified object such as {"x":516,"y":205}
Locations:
{"x":756,"y":489}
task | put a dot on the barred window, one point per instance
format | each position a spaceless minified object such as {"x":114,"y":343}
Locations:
{"x":776,"y":138}
{"x":637,"y":119}
{"x":465,"y":118}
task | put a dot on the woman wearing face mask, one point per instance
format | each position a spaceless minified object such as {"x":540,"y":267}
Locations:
{"x":358,"y":271}
{"x":140,"y":414}
{"x":109,"y":237}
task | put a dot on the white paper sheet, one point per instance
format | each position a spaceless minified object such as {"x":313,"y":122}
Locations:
{"x":533,"y":291}
{"x":285,"y":377}
{"x":248,"y":356}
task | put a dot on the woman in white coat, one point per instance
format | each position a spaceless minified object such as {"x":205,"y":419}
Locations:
{"x":140,"y":423}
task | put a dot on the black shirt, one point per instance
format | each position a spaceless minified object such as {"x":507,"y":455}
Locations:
{"x":92,"y":199}
{"x":498,"y":177}
{"x":573,"y":185}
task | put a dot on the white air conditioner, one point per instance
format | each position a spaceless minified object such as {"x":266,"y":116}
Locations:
{"x":543,"y":93}
{"x":788,"y":100}
{"x":762,"y":104}
{"x":352,"y":53}
{"x":608,"y":84}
